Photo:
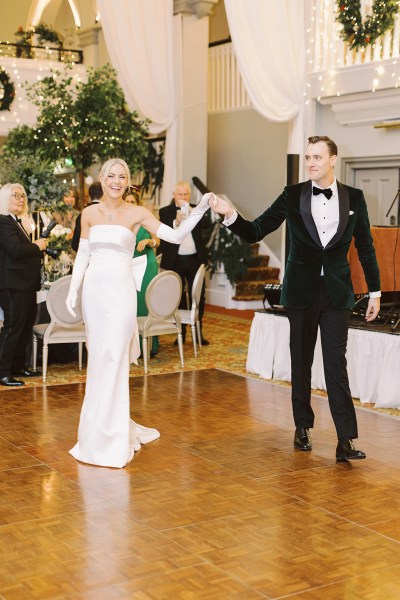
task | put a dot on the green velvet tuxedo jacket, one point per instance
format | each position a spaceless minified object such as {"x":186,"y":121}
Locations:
{"x":307,"y":256}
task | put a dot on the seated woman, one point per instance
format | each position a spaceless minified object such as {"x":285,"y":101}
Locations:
{"x":67,"y":217}
{"x":145,"y":246}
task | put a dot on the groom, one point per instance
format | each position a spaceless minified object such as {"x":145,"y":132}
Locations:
{"x":322,"y":217}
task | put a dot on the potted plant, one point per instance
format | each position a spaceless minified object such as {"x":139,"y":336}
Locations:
{"x":83,"y":122}
{"x":44,"y":189}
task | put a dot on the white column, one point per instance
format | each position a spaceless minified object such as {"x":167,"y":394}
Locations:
{"x":89,"y":41}
{"x":192,"y":159}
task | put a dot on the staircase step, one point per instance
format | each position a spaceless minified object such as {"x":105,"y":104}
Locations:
{"x":261,"y":274}
{"x":253,"y":290}
{"x":261,"y":260}
{"x":247,"y":298}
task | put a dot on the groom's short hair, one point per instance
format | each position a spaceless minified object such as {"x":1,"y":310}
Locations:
{"x":314,"y":139}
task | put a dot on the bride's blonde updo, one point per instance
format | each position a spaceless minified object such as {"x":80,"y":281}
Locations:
{"x":108,"y":165}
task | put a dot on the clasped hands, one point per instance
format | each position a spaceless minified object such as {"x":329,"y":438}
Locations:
{"x":219,"y":205}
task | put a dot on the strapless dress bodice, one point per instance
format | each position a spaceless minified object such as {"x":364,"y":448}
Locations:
{"x":112,"y":237}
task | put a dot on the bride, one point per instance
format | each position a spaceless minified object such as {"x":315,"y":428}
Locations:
{"x":107,"y":436}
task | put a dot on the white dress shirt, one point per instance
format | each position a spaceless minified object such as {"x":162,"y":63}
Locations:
{"x":326,"y":213}
{"x":187,"y":247}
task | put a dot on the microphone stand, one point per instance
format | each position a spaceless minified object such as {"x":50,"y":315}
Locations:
{"x":391,"y":206}
{"x":394,"y":327}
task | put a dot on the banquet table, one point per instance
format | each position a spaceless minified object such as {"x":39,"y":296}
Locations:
{"x":373,"y":359}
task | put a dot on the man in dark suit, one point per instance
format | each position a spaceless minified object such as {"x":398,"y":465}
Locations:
{"x":186,"y":258}
{"x":322,"y":217}
{"x":20,"y":264}
{"x":95,"y":192}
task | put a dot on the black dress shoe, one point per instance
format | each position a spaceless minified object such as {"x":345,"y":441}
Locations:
{"x":302,"y":440}
{"x":346,"y":451}
{"x":10,"y":381}
{"x":204,"y":342}
{"x":27,"y":373}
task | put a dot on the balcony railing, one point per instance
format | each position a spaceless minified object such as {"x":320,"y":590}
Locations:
{"x":327,"y":51}
{"x":225,"y":85}
{"x":58,"y":53}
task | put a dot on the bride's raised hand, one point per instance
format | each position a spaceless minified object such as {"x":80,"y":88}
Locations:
{"x":220,"y":206}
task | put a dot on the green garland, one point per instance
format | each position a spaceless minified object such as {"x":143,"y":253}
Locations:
{"x":9,"y":90}
{"x":359,"y":34}
{"x":47,"y":34}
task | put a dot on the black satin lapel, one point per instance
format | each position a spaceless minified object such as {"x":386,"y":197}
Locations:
{"x":344,"y":209}
{"x":19,"y":227}
{"x":305,"y":211}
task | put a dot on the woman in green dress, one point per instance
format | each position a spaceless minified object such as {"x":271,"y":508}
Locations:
{"x":145,"y":245}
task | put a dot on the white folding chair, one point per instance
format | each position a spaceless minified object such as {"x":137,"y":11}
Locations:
{"x":63,"y":327}
{"x":162,"y":297}
{"x":191,"y":317}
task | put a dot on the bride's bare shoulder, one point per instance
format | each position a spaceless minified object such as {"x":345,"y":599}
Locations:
{"x":92,"y":207}
{"x":138,"y":212}
{"x":92,"y":214}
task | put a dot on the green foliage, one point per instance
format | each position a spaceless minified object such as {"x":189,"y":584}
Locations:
{"x":8,"y":89}
{"x":153,"y":168}
{"x":24,"y":43}
{"x":228,"y":249}
{"x":44,"y":189}
{"x":84,"y":122}
{"x":20,"y":143}
{"x":358,"y":33}
{"x":44,"y":34}
{"x":47,"y":34}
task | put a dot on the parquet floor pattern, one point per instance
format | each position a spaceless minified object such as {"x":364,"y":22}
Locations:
{"x":220,"y":507}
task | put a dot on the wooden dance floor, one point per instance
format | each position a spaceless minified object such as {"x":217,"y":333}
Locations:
{"x":220,"y":507}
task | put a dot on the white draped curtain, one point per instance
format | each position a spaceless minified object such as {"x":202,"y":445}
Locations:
{"x":143,"y":39}
{"x":269,"y":43}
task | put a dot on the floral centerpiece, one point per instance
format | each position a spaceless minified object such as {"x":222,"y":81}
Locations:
{"x":60,"y":238}
{"x":60,"y":264}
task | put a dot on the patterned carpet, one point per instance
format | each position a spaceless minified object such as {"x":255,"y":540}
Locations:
{"x":228,"y":334}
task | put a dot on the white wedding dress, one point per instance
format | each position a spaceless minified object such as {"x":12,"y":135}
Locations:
{"x":107,"y":436}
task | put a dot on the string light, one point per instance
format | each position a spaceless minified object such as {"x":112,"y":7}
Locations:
{"x":331,"y":48}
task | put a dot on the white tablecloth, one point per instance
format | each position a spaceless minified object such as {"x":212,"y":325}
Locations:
{"x":373,"y":360}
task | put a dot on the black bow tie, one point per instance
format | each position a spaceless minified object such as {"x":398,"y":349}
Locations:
{"x":328,"y":192}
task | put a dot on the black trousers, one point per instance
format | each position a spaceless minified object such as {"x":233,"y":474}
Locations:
{"x":19,"y":309}
{"x":186,"y":266}
{"x":334,"y":326}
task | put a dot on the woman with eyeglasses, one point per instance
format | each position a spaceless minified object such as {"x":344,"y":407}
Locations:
{"x":20,"y":263}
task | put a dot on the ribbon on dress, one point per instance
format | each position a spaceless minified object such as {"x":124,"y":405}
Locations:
{"x":138,"y":267}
